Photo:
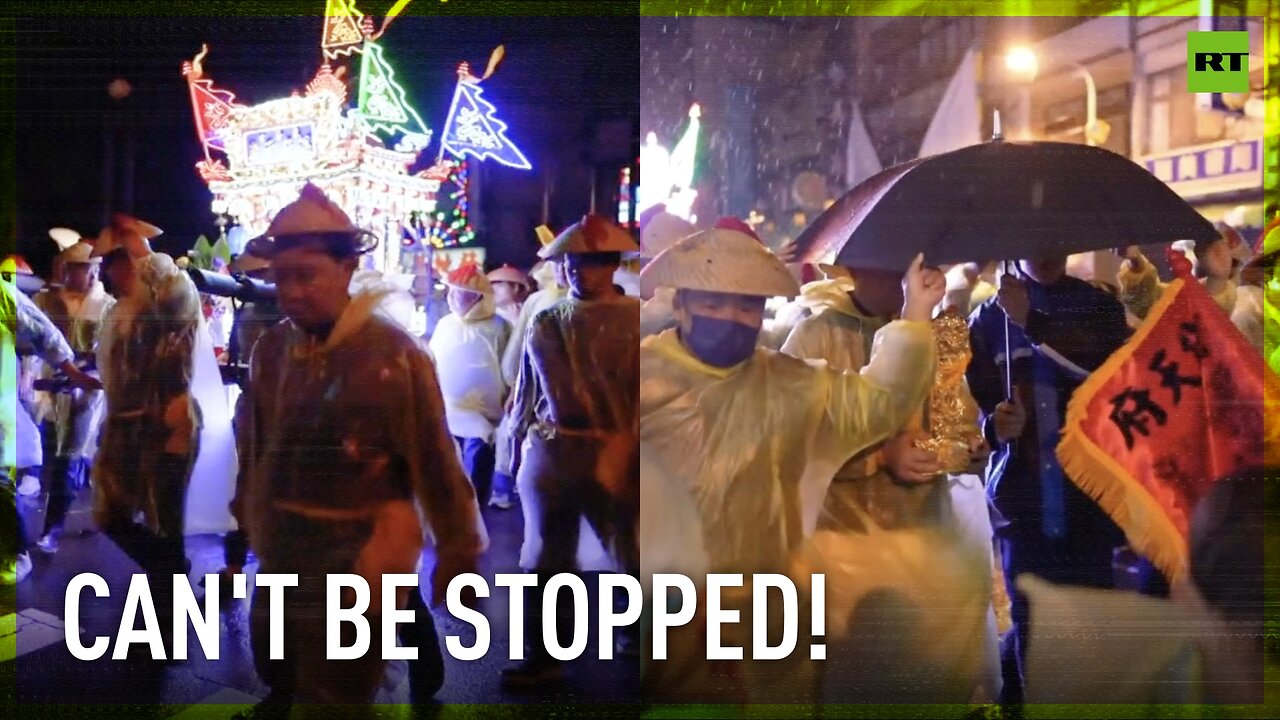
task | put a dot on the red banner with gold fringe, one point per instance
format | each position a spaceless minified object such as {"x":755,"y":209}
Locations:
{"x":1183,"y":404}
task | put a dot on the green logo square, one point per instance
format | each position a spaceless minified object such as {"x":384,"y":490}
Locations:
{"x":1218,"y":62}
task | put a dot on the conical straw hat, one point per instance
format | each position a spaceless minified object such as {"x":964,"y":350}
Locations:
{"x":508,"y":274}
{"x":313,"y":213}
{"x":468,"y":277}
{"x":592,"y":234}
{"x":64,"y":237}
{"x":122,"y":227}
{"x":662,"y":231}
{"x":723,"y":261}
{"x":81,"y":252}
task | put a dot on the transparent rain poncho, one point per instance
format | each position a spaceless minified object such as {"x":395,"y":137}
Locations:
{"x":146,"y":357}
{"x":536,"y":303}
{"x":512,"y":354}
{"x":574,"y":411}
{"x":909,"y":567}
{"x":747,"y":453}
{"x":351,"y":429}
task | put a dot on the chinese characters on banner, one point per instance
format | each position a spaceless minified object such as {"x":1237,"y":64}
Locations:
{"x":1183,"y":404}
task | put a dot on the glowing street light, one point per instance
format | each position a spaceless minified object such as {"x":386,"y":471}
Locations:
{"x":1022,"y":63}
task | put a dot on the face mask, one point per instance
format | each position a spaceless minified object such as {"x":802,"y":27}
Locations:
{"x":720,"y":343}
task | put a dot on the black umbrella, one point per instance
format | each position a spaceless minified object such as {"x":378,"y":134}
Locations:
{"x":1000,"y":201}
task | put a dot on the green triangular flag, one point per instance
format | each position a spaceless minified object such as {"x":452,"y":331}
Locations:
{"x":203,"y":253}
{"x":221,"y":250}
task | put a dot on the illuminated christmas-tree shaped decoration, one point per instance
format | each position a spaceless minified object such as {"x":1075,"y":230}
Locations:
{"x":472,"y":127}
{"x":342,"y":34}
{"x":382,"y":103}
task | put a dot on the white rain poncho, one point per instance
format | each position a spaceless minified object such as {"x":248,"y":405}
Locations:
{"x":741,"y":445}
{"x":1089,"y":645}
{"x":909,"y":567}
{"x":468,"y":356}
{"x":835,"y":330}
{"x":22,"y":325}
{"x":76,"y":414}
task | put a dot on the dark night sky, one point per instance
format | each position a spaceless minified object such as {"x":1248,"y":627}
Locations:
{"x":550,"y":84}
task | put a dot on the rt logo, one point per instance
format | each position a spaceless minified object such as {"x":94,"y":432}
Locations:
{"x":1218,"y":62}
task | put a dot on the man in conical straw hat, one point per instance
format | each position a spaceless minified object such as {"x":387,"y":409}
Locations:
{"x":510,"y":290}
{"x":344,"y":447}
{"x":147,"y":450}
{"x":77,"y":304}
{"x":573,"y":418}
{"x":65,"y":239}
{"x":751,"y":439}
{"x":467,"y":346}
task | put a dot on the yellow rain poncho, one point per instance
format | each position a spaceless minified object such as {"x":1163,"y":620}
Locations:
{"x":344,"y":447}
{"x":574,"y":412}
{"x":839,"y":333}
{"x":151,"y":434}
{"x":751,"y":450}
{"x":909,"y":567}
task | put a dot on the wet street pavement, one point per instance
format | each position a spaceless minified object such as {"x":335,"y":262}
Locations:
{"x":48,"y":682}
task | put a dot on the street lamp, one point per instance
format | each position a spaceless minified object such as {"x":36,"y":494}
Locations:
{"x":1023,"y":65}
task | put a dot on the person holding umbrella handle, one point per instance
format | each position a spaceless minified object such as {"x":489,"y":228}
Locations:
{"x":1033,"y":344}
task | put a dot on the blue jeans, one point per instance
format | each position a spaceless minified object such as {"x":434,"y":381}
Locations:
{"x":478,"y":458}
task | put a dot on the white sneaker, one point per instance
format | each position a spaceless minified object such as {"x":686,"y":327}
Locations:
{"x":501,"y":501}
{"x":23,"y":568}
{"x":48,"y":544}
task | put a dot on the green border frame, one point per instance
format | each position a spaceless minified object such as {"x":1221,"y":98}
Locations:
{"x":1269,"y":10}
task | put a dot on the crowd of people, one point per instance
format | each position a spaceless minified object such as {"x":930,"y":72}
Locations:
{"x":728,"y":420}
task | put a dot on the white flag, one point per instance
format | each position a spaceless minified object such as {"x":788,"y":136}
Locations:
{"x":861,"y":161}
{"x":957,"y":123}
